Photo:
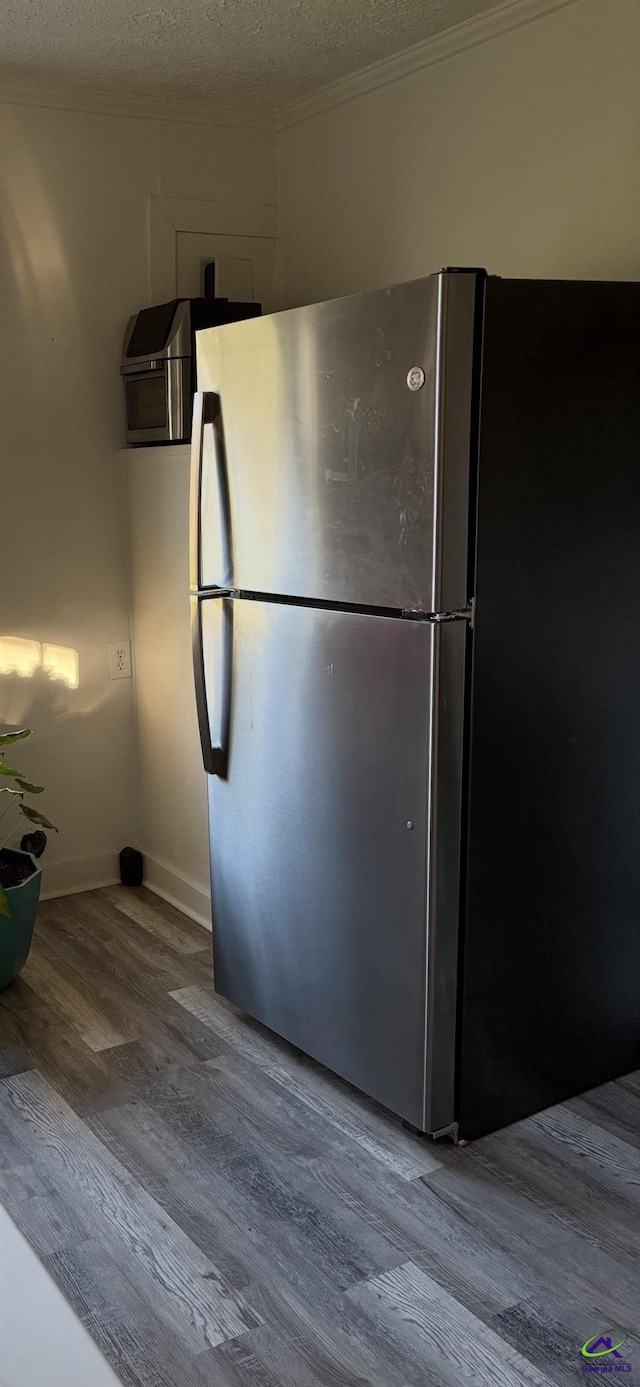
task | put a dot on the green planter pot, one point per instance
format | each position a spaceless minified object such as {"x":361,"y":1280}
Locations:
{"x":16,"y":932}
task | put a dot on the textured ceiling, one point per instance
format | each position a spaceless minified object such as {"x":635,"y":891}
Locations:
{"x":260,"y":54}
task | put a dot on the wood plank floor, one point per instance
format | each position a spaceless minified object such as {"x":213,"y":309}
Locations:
{"x":219,"y":1210}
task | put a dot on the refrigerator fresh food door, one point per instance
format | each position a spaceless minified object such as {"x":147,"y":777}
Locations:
{"x":331,"y":449}
{"x":330,"y":735}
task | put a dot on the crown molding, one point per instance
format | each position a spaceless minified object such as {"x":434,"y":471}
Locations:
{"x":510,"y":15}
{"x":507,"y":16}
{"x":97,"y":101}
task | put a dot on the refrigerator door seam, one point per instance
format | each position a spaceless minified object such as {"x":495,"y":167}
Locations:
{"x":394,"y":613}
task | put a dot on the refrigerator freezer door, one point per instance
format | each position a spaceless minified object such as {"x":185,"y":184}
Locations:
{"x":320,"y":844}
{"x":331,"y":449}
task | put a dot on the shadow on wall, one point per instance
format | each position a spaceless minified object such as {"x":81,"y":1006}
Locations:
{"x":34,"y":245}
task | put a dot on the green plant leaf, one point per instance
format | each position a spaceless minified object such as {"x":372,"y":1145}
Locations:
{"x":8,"y":738}
{"x":29,"y":788}
{"x":5,"y":908}
{"x":36,"y":818}
{"x":9,"y":770}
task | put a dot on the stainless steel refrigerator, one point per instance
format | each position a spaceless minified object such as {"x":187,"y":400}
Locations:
{"x":414,"y":552}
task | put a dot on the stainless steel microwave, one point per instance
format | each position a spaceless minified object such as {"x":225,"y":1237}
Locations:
{"x":159,"y":365}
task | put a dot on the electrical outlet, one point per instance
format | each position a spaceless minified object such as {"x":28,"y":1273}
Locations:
{"x":120,"y":659}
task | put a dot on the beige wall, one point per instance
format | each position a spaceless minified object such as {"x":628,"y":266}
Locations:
{"x":172,"y":826}
{"x":73,"y":265}
{"x":521,"y":154}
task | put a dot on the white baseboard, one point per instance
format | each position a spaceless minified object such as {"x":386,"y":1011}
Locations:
{"x":89,"y":873}
{"x":83,"y":874}
{"x":177,"y":890}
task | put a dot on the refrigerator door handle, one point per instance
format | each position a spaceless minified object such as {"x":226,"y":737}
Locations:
{"x":207,"y":409}
{"x":215,"y":750}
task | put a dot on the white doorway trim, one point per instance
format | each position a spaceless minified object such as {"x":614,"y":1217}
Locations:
{"x":170,"y":215}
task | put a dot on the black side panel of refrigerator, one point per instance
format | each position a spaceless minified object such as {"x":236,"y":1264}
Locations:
{"x":551,"y":971}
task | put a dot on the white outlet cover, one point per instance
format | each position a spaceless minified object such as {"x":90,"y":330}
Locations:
{"x":120,"y":659}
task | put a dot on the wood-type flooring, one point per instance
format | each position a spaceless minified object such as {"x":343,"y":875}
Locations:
{"x":222,"y":1212}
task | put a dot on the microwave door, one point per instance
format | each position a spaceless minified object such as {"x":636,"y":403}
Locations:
{"x":157,"y":402}
{"x":146,"y":404}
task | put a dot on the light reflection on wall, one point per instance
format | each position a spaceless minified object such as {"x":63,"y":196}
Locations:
{"x":25,"y":657}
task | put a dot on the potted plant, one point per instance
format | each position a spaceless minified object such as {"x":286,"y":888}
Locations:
{"x":20,"y":875}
